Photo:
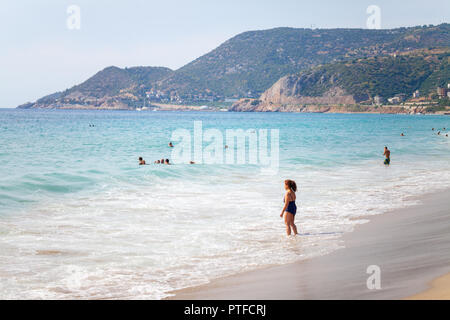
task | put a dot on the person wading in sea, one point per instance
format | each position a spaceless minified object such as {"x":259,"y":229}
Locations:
{"x":387,"y":154}
{"x":290,"y":208}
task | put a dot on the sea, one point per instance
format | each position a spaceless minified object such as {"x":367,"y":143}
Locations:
{"x":81,"y":219}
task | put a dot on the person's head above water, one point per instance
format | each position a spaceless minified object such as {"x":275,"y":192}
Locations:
{"x":141,"y":161}
{"x":167,"y":161}
{"x":290,"y":185}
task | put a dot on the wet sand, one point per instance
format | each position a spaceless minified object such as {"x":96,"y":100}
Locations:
{"x":410,"y":245}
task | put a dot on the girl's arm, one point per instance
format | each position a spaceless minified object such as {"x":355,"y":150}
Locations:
{"x":286,"y":203}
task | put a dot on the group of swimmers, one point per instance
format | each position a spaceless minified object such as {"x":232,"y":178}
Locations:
{"x":432,"y":129}
{"x":439,"y":132}
{"x":387,"y":152}
{"x":162,"y":161}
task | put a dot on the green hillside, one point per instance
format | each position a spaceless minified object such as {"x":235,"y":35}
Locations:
{"x":251,"y":62}
{"x":384,"y":76}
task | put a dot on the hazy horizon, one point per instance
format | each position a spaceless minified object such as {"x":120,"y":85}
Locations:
{"x":42,"y":55}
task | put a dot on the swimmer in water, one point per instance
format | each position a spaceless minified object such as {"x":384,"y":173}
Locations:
{"x":141,"y":161}
{"x":171,"y":144}
{"x":289,"y":208}
{"x":167,"y":161}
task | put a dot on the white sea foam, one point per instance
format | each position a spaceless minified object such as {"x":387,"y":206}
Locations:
{"x":142,"y":241}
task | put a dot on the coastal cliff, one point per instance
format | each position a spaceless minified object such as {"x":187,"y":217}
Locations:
{"x":362,"y":85}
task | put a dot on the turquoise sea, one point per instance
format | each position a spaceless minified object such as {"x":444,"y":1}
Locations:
{"x":79,"y":218}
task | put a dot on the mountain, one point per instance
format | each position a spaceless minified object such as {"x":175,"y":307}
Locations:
{"x":244,"y":66}
{"x":111,"y":88}
{"x":357,"y":81}
{"x":251,"y":62}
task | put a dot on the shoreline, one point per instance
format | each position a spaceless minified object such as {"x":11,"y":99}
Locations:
{"x":189,"y":108}
{"x":410,"y":245}
{"x":319,"y":109}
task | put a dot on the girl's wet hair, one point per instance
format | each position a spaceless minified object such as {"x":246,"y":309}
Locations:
{"x":291,"y":184}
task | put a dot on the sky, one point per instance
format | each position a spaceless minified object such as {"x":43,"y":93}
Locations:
{"x":41,"y":54}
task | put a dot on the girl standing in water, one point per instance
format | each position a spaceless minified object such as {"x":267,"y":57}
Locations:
{"x":289,"y":209}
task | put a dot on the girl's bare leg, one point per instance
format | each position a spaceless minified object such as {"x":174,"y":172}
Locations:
{"x":287,"y":221}
{"x":293,"y":226}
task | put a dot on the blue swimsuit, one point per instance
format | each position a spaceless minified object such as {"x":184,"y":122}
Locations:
{"x":292,"y":207}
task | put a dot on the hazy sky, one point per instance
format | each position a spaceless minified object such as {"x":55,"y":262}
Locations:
{"x":40,"y":54}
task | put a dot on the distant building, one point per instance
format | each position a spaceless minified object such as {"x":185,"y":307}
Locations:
{"x":398,"y":98}
{"x":401,"y":96}
{"x":378,"y":100}
{"x":441,"y":92}
{"x":394,"y":100}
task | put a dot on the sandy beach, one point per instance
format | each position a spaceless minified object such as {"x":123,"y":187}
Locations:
{"x":440,"y":290}
{"x":411,"y":246}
